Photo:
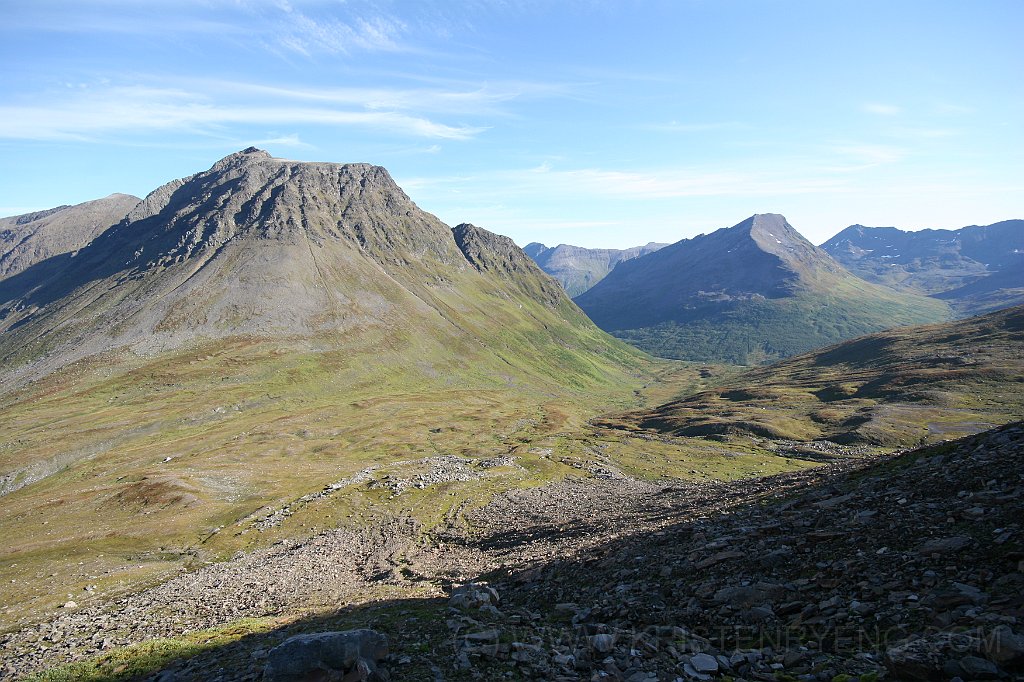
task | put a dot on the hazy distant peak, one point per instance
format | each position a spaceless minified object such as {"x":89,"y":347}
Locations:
{"x":578,"y":268}
{"x":534,"y":249}
{"x":976,"y":268}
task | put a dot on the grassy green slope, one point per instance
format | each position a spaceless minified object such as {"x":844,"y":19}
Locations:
{"x":251,"y":424}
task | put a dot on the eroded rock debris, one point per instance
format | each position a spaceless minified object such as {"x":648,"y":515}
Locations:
{"x":903,"y":567}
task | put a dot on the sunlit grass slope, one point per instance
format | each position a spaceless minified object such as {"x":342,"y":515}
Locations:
{"x":123,"y":466}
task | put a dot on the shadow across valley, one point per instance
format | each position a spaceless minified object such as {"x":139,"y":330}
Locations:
{"x":801,"y":574}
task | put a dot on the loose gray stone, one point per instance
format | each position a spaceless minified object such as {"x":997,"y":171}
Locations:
{"x":704,"y":663}
{"x":944,"y":545}
{"x":1004,"y":646}
{"x":975,"y":668}
{"x":602,"y":643}
{"x":473,"y":596}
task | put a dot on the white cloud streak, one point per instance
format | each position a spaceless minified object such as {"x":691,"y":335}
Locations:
{"x":868,"y":155}
{"x":476,"y":100}
{"x":93,"y":113}
{"x":308,"y":36}
{"x":321,"y":30}
{"x":692,"y":127}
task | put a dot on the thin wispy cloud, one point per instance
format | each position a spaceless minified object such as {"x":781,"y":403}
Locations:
{"x":322,"y":29}
{"x":477,"y":100}
{"x":868,"y":155}
{"x":82,"y":19}
{"x":949,"y":108}
{"x":309,"y":36}
{"x":126,"y":110}
{"x":880,"y":109}
{"x":279,"y":141}
{"x":923,"y":133}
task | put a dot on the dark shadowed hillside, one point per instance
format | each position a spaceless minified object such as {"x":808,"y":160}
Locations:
{"x":898,"y":388}
{"x":28,"y":239}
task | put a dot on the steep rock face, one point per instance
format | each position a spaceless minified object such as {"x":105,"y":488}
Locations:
{"x":262,"y":246}
{"x":252,"y":196}
{"x":755,"y":291}
{"x":578,"y":268}
{"x":34,"y":237}
{"x":974,"y":268}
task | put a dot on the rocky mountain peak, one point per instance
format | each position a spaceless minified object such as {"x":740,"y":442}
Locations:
{"x":247,"y":155}
{"x":760,"y":279}
{"x":263,"y":246}
{"x":252,"y":195}
{"x":484,"y":249}
{"x":771,"y":228}
{"x":534,"y":249}
{"x":773,"y":234}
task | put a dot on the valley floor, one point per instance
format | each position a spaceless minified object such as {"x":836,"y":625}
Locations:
{"x":812,"y":575}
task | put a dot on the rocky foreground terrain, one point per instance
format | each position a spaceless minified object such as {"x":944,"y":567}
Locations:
{"x":904,"y":567}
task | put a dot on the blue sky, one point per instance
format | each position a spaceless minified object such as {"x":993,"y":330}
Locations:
{"x":595,"y":123}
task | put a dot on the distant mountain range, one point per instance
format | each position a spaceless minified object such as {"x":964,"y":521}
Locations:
{"x":976,"y":269}
{"x":746,"y":294}
{"x":578,"y":268}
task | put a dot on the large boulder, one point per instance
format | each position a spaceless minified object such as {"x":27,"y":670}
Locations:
{"x":932,"y":657}
{"x":328,"y":657}
{"x":473,"y":596}
{"x":1006,"y":647}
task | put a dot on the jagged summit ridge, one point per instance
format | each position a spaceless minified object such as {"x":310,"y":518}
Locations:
{"x":495,"y":253}
{"x":250,"y":194}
